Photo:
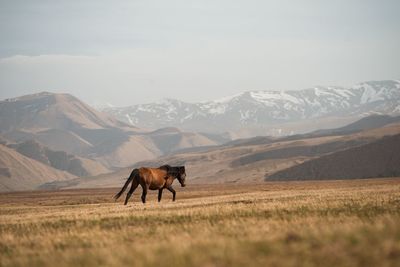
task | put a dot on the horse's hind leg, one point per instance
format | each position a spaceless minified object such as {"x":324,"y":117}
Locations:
{"x":159,"y":194}
{"x":133,"y":187}
{"x":144,"y":194}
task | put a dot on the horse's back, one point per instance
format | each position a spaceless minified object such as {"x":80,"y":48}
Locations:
{"x":155,"y":178}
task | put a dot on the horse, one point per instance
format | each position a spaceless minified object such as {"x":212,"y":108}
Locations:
{"x":154,"y":179}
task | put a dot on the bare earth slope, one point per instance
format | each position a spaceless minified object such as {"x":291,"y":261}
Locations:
{"x":18,"y":172}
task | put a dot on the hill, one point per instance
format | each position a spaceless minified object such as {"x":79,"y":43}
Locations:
{"x":370,"y":122}
{"x":18,"y":172}
{"x":377,"y":159}
{"x":59,"y":159}
{"x":60,"y":111}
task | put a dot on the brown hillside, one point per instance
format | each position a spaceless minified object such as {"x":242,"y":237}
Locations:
{"x":59,"y":159}
{"x":377,"y":159}
{"x":18,"y":172}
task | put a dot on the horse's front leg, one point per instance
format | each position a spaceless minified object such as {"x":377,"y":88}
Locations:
{"x":172,"y":191}
{"x":160,"y":194}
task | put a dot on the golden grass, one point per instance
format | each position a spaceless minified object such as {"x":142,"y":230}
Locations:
{"x":339,"y":223}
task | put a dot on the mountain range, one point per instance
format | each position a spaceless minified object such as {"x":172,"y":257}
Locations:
{"x":275,"y":113}
{"x":68,"y":136}
{"x":54,"y":141}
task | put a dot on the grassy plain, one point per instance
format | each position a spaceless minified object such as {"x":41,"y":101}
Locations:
{"x":331,"y":223}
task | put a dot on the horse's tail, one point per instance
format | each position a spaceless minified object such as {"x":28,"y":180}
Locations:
{"x":130,"y":179}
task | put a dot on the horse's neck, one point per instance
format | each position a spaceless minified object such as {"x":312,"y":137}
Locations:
{"x":173,"y":173}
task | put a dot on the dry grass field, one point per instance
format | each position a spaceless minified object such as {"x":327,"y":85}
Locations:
{"x":330,"y":223}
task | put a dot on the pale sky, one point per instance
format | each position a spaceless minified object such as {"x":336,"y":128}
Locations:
{"x":130,"y":52}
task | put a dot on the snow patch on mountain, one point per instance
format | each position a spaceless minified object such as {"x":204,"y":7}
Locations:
{"x":269,"y":97}
{"x":226,"y":99}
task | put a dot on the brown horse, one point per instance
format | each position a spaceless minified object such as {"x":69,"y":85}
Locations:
{"x":153,"y":179}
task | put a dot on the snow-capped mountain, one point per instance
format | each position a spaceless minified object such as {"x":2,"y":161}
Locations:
{"x":266,"y":109}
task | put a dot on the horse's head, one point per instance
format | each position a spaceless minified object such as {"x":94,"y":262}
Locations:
{"x":181,"y":175}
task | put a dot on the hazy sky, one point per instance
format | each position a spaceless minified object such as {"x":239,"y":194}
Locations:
{"x":129,"y":52}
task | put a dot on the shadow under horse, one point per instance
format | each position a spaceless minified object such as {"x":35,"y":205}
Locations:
{"x":154,"y":179}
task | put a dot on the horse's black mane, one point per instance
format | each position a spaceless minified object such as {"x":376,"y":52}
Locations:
{"x":173,"y":171}
{"x":165,"y":167}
